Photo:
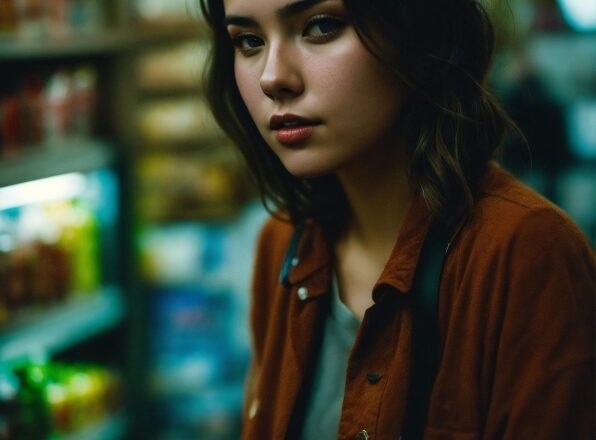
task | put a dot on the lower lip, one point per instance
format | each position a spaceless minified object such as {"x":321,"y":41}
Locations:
{"x":294,"y":135}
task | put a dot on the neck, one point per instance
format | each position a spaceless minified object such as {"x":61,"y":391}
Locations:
{"x":379,"y":195}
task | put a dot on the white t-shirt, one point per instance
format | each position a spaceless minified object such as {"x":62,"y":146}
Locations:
{"x":323,"y":408}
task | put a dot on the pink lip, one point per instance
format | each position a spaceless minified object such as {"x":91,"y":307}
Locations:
{"x":290,"y":129}
{"x":292,"y":135}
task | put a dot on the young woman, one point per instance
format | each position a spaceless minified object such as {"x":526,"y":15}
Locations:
{"x":366,"y":124}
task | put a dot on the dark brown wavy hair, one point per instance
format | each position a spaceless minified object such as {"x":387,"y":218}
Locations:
{"x":440,"y":52}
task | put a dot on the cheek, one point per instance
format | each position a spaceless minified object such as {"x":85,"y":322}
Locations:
{"x":248,"y":86}
{"x":356,"y":86}
{"x":352,"y":75}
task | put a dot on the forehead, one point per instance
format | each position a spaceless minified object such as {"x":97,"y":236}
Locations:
{"x":246,"y":6}
{"x":264,"y":7}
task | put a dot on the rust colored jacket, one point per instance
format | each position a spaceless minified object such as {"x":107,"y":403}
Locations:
{"x":516,"y":317}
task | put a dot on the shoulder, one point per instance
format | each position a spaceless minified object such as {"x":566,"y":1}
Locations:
{"x":522,"y":249}
{"x":508,"y":215}
{"x":272,"y":245}
{"x":522,"y":267}
{"x":525,"y":263}
{"x":274,"y":238}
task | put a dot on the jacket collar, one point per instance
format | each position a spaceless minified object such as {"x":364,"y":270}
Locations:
{"x":400,"y":268}
{"x":314,"y":257}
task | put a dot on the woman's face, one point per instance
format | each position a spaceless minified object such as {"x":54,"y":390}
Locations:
{"x":318,"y":97}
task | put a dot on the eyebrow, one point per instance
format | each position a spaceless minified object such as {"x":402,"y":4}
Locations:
{"x":284,"y":13}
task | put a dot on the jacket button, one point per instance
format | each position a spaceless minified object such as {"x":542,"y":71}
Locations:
{"x":252,"y":410}
{"x":295,"y":261}
{"x":362,"y":435}
{"x":302,"y":293}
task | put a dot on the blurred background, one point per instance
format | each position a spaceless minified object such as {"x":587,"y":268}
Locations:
{"x":127,"y":221}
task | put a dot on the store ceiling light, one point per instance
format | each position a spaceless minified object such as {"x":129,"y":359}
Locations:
{"x":61,"y":187}
{"x":580,"y":14}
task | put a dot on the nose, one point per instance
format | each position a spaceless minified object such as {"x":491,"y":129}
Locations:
{"x":281,"y":77}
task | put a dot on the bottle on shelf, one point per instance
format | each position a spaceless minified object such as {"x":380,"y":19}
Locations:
{"x":52,"y":400}
{"x":48,"y":111}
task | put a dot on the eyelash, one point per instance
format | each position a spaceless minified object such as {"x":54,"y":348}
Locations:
{"x":239,"y":40}
{"x":320,"y":19}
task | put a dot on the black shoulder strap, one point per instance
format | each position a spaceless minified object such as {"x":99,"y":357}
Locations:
{"x":291,"y":253}
{"x":426,"y":348}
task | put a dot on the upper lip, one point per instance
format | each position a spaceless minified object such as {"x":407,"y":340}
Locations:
{"x":279,"y":121}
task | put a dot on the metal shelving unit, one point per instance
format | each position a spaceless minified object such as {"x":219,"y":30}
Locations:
{"x":72,"y":326}
{"x":110,"y":41}
{"x":69,"y":156}
{"x":13,"y":48}
{"x":49,"y":329}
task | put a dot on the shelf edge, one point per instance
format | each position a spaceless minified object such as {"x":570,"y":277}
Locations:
{"x":61,"y":327}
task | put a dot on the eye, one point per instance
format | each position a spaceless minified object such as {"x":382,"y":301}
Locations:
{"x":323,"y":28}
{"x":247,"y":43}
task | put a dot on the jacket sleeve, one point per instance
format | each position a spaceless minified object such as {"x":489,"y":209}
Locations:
{"x":544,"y":375}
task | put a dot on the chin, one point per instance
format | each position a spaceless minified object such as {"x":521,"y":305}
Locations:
{"x":308,"y":172}
{"x":308,"y":168}
{"x":305,"y":163}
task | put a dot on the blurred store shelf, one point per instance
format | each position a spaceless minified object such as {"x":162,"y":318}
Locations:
{"x":47,"y":330}
{"x":105,"y":42}
{"x":70,"y":156}
{"x":110,"y":428}
{"x":16,"y":48}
